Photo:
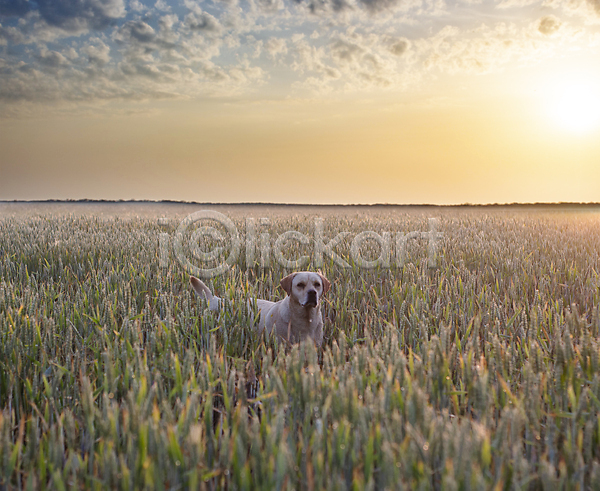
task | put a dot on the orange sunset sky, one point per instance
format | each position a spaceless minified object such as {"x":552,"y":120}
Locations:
{"x":300,"y":101}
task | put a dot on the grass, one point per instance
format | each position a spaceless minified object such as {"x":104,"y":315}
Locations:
{"x":483,"y":373}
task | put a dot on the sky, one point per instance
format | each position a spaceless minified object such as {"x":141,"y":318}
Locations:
{"x":301,"y":101}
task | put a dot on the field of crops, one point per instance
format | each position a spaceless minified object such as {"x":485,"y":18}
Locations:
{"x":480,"y":371}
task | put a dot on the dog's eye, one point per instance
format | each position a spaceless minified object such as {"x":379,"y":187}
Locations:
{"x":300,"y":285}
{"x":316,"y":285}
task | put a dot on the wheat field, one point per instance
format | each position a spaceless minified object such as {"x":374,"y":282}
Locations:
{"x":481,"y":371}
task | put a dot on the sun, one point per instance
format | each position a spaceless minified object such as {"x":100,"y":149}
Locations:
{"x":575,"y":106}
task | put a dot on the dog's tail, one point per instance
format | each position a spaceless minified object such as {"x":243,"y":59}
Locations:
{"x":201,"y":289}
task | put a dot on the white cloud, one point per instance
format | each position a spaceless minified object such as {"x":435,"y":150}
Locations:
{"x":162,"y":5}
{"x":276,"y":47}
{"x":267,"y":5}
{"x":346,"y":52}
{"x":137,"y":6}
{"x":203,"y":22}
{"x":482,"y":50}
{"x":98,"y":53}
{"x":135,"y":32}
{"x":97,"y":50}
{"x":52,"y":59}
{"x":588,"y":10}
{"x":508,"y":4}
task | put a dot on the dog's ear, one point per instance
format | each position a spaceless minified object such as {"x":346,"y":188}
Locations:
{"x":286,"y":283}
{"x":326,"y":284}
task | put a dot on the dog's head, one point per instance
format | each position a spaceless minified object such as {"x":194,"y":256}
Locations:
{"x":305,"y":287}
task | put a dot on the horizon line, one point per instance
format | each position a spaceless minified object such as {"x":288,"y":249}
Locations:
{"x":265,"y":203}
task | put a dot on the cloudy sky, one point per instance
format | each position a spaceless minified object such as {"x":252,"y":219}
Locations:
{"x":306,"y":101}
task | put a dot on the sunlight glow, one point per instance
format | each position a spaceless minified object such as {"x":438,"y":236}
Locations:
{"x":575,"y":106}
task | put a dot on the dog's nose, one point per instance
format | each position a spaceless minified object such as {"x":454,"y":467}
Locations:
{"x":311,"y":298}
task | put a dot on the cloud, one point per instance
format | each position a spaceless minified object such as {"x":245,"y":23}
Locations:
{"x":276,"y":47}
{"x":452,"y":51}
{"x":361,"y":58}
{"x":399,"y":47}
{"x":203,"y":22}
{"x":53,"y":77}
{"x":589,"y":10}
{"x":98,"y":53}
{"x":76,"y":50}
{"x":139,"y":42}
{"x":355,"y":61}
{"x":137,"y":6}
{"x":549,"y":25}
{"x":11,"y":8}
{"x":145,"y":57}
{"x":346,"y":52}
{"x":509,"y":4}
{"x":335,"y":6}
{"x":135,"y":32}
{"x":162,"y":5}
{"x":308,"y":58}
{"x":594,"y":6}
{"x":491,"y":48}
{"x":70,"y":16}
{"x":52,"y":59}
{"x":10,"y":35}
{"x":78,"y":15}
{"x":269,"y":5}
{"x":375,"y":6}
{"x":371,"y":7}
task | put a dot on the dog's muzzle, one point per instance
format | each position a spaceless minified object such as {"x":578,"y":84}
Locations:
{"x":311,"y":299}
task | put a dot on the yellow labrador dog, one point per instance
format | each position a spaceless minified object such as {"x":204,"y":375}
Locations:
{"x":296,"y":317}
